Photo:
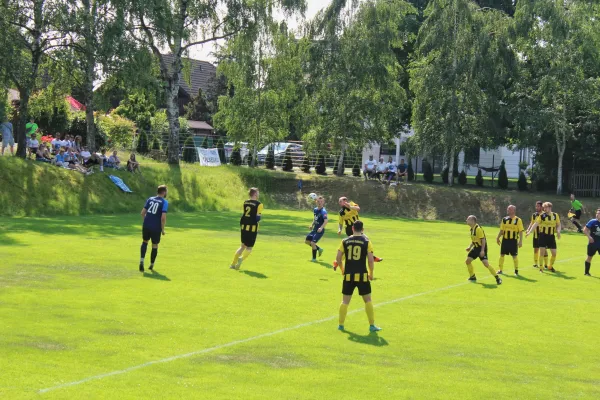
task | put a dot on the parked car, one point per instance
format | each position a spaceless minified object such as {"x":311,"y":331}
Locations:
{"x":279,"y":150}
{"x":244,"y":151}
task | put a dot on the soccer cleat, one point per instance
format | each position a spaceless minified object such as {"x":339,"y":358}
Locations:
{"x":374,"y":328}
{"x":535,"y":266}
{"x":541,"y":271}
{"x":498,"y":280}
{"x":232,"y":267}
{"x":320,"y":251}
{"x":239,"y":264}
{"x":545,"y":267}
{"x":472,"y":278}
{"x":335,"y":265}
{"x":580,"y":231}
{"x":340,"y":327}
{"x":551,"y":269}
{"x":141,"y":267}
{"x":516,"y":272}
{"x":588,"y":274}
{"x":151,"y":267}
{"x":377,"y":259}
{"x":500,"y":272}
{"x":313,"y":260}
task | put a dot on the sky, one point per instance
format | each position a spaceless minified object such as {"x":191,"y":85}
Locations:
{"x":313,"y":6}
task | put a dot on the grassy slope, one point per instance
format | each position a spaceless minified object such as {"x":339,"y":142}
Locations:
{"x":35,"y":189}
{"x":76,"y":307}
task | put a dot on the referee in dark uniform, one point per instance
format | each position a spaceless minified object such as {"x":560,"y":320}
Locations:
{"x":358,"y":251}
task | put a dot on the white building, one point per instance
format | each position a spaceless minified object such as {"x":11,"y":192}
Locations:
{"x":469,"y":160}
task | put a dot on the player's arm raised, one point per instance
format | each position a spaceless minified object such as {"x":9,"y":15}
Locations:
{"x":354,"y":207}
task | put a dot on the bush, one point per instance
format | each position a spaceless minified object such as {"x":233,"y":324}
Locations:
{"x":221,"y":149}
{"x":270,"y":160}
{"x":142,"y":144}
{"x":540,"y":184}
{"x":479,"y":179}
{"x":427,"y":172}
{"x":445,"y":173}
{"x":306,"y":164}
{"x":288,"y":165}
{"x":321,"y":168}
{"x":522,"y":184}
{"x":410,"y":171}
{"x":189,"y":150}
{"x":462,"y":178}
{"x":119,"y":131}
{"x":249,"y":159}
{"x":156,"y":144}
{"x":236,"y":157}
{"x":356,"y":170}
{"x":502,"y":176}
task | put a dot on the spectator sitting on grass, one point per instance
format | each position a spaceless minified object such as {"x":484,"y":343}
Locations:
{"x":390,"y":171}
{"x":132,"y":164}
{"x":40,"y":154}
{"x":46,"y":153}
{"x":402,"y":169}
{"x":59,"y":160}
{"x":78,"y":145}
{"x":114,"y":160}
{"x":73,"y":162}
{"x":56,"y":143}
{"x":33,"y":145}
{"x":90,"y":159}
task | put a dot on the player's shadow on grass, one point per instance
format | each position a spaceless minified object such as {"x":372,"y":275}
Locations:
{"x":559,"y":274}
{"x":325,"y":264}
{"x":155,"y":275}
{"x":488,"y":285}
{"x":372,"y":339}
{"x":253,"y":274}
{"x":521,"y":278}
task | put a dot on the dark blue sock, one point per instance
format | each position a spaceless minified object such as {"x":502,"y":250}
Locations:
{"x":143,"y":250}
{"x":314,"y":254}
{"x":153,"y":255}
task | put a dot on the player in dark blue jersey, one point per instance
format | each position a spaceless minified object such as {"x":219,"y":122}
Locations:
{"x":154,"y":214}
{"x":592,"y":231}
{"x":317,"y":229}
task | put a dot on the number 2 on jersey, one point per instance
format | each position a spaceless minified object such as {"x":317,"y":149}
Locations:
{"x":353,"y":253}
{"x":247,"y":213}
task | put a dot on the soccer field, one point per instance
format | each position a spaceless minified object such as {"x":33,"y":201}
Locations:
{"x":78,"y":321}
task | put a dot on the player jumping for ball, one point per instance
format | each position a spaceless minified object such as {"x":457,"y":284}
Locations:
{"x":317,"y":229}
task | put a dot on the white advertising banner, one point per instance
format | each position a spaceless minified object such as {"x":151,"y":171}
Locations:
{"x":208,"y":157}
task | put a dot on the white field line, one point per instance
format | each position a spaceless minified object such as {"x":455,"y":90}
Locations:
{"x":251,"y":339}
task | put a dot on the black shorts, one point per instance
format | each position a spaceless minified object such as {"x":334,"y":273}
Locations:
{"x":536,"y":243}
{"x":249,"y":238}
{"x":577,"y":214}
{"x":509,"y":247}
{"x":547,"y":241}
{"x":364,"y":288}
{"x":349,"y":230}
{"x":476,"y":253}
{"x":593,"y":249}
{"x":148,"y":234}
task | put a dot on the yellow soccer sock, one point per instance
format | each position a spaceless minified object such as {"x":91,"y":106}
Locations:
{"x":492,"y":270}
{"x":471,"y":270}
{"x":246,"y":254}
{"x":545,"y":261}
{"x":236,"y":257}
{"x":516,"y":262}
{"x":536,"y":257}
{"x":501,"y":263}
{"x":343,"y":312}
{"x":552,"y":260}
{"x":370,"y":312}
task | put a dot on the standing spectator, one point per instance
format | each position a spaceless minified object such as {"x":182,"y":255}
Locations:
{"x":402,"y":169}
{"x":390,"y":171}
{"x":78,"y":145}
{"x":381,"y":168}
{"x":369,"y":169}
{"x":31,"y":127}
{"x":33,"y":145}
{"x":8,"y":138}
{"x":132,"y":164}
{"x":114,"y":160}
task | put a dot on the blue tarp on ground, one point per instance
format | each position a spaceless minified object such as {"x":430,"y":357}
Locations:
{"x":120,"y":184}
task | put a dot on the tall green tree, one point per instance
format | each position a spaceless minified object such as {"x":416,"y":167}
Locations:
{"x":180,"y":25}
{"x":29,"y":32}
{"x":560,"y":58}
{"x":462,"y":67}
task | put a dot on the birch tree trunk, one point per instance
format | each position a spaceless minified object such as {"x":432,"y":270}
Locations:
{"x":171,"y":92}
{"x":90,"y":69}
{"x":561,"y":143}
{"x":451,"y":167}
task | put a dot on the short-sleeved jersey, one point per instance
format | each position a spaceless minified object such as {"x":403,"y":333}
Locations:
{"x":155,"y":207}
{"x":576,"y":205}
{"x":594,"y":227}
{"x":348,"y":216}
{"x":320,"y":218}
{"x":477,"y":234}
{"x":548,"y":222}
{"x":356,"y":249}
{"x":251,"y":210}
{"x":512,"y":227}
{"x":534,"y":218}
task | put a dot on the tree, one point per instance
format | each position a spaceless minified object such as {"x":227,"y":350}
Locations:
{"x":462,"y":178}
{"x":354,"y":73}
{"x":270,"y":159}
{"x":29,"y":34}
{"x":338,"y":168}
{"x":137,"y":108}
{"x":189,"y":150}
{"x":221,"y":150}
{"x":197,"y":109}
{"x":321,"y":168}
{"x":479,"y":178}
{"x":427,"y":172}
{"x":445,"y":173}
{"x":180,"y":25}
{"x":410,"y":171}
{"x":288,"y":165}
{"x":236,"y":157}
{"x":462,"y":71}
{"x":522,"y":183}
{"x":502,"y":176}
{"x":559,"y":69}
{"x":306,"y":164}
{"x":356,"y":169}
{"x":142,"y":143}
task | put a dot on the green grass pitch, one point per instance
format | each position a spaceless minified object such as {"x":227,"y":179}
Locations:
{"x":77,"y":318}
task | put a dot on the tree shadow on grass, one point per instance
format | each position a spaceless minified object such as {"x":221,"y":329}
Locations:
{"x":253,"y":274}
{"x":372,"y":339}
{"x":156,"y":275}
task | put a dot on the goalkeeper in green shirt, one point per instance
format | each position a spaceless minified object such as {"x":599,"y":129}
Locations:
{"x":575,"y":212}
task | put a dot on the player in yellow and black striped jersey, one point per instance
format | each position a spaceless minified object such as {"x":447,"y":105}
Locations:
{"x":511,"y":232}
{"x":478,"y":249}
{"x":348,"y":216}
{"x":550,"y":227}
{"x":536,"y":247}
{"x":251,"y":214}
{"x":358,"y":252}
